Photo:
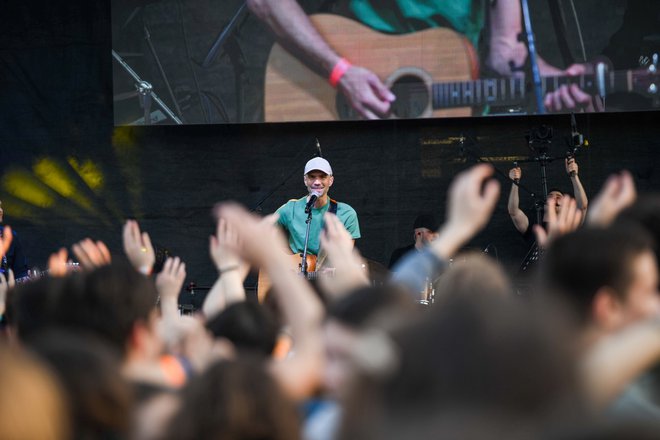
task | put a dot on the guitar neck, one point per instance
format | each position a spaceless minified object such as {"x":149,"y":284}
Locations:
{"x":511,"y":91}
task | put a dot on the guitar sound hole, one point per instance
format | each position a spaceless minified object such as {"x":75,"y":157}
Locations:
{"x":412,"y":97}
{"x":344,"y":110}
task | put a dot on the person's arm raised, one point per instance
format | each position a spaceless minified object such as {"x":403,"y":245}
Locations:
{"x":617,"y":193}
{"x":579,"y":193}
{"x":91,"y":254}
{"x":518,"y":217}
{"x":471,"y":200}
{"x":138,"y":248}
{"x":232,"y":270}
{"x":349,"y":267}
{"x":300,"y":374}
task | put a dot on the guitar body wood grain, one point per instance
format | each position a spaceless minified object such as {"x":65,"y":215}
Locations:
{"x":294,"y":92}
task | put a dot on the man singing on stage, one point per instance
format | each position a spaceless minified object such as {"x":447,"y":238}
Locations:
{"x":318,"y":179}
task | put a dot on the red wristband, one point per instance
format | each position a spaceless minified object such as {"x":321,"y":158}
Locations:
{"x":338,"y":71}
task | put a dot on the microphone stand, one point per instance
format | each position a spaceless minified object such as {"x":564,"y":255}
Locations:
{"x":308,"y":222}
{"x":145,"y":93}
{"x":531,"y":54}
{"x":234,"y":52}
{"x":224,"y":35}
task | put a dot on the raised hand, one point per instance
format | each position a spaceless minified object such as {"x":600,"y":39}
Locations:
{"x":469,"y":206}
{"x":261,"y":241}
{"x":515,"y":174}
{"x":571,"y":166}
{"x":337,"y":243}
{"x":57,"y":263}
{"x":138,"y":248}
{"x":170,"y":280}
{"x":568,"y":219}
{"x":91,"y":254}
{"x":617,"y":193}
{"x":232,"y":268}
{"x":222,"y":248}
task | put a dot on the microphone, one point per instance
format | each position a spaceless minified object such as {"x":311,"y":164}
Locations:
{"x":312,"y":199}
{"x":318,"y":147}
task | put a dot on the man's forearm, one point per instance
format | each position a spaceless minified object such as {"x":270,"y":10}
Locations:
{"x":514,"y":200}
{"x":579,"y":193}
{"x":296,"y":32}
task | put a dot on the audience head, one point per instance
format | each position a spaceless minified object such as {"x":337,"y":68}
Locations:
{"x":90,"y":372}
{"x":557,"y":195}
{"x":472,"y":274}
{"x":479,"y":359}
{"x":645,"y":212}
{"x":234,"y":400}
{"x":114,"y":302}
{"x":609,"y":276}
{"x":249,"y":326}
{"x":353,"y":315}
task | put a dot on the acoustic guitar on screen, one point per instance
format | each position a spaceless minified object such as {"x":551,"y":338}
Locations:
{"x":433,"y":73}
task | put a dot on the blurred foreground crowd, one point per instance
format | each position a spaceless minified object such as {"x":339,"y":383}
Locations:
{"x":104,"y":353}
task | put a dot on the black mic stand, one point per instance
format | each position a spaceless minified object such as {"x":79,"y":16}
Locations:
{"x":224,"y":35}
{"x":308,"y":222}
{"x":233,"y":51}
{"x":531,"y":55}
{"x":145,"y":93}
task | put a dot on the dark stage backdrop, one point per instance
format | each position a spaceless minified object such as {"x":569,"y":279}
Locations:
{"x":67,"y":173}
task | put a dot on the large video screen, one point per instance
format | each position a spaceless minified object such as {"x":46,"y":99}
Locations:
{"x":232,"y":61}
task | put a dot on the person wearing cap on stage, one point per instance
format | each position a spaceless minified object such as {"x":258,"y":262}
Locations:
{"x":318,"y":179}
{"x":424,"y":231}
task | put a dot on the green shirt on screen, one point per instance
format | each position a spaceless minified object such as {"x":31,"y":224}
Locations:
{"x":402,"y":16}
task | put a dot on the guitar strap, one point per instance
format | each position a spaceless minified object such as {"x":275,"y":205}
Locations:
{"x":333,"y":207}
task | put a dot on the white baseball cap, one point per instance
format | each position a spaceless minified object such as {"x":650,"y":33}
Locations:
{"x":318,"y":163}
